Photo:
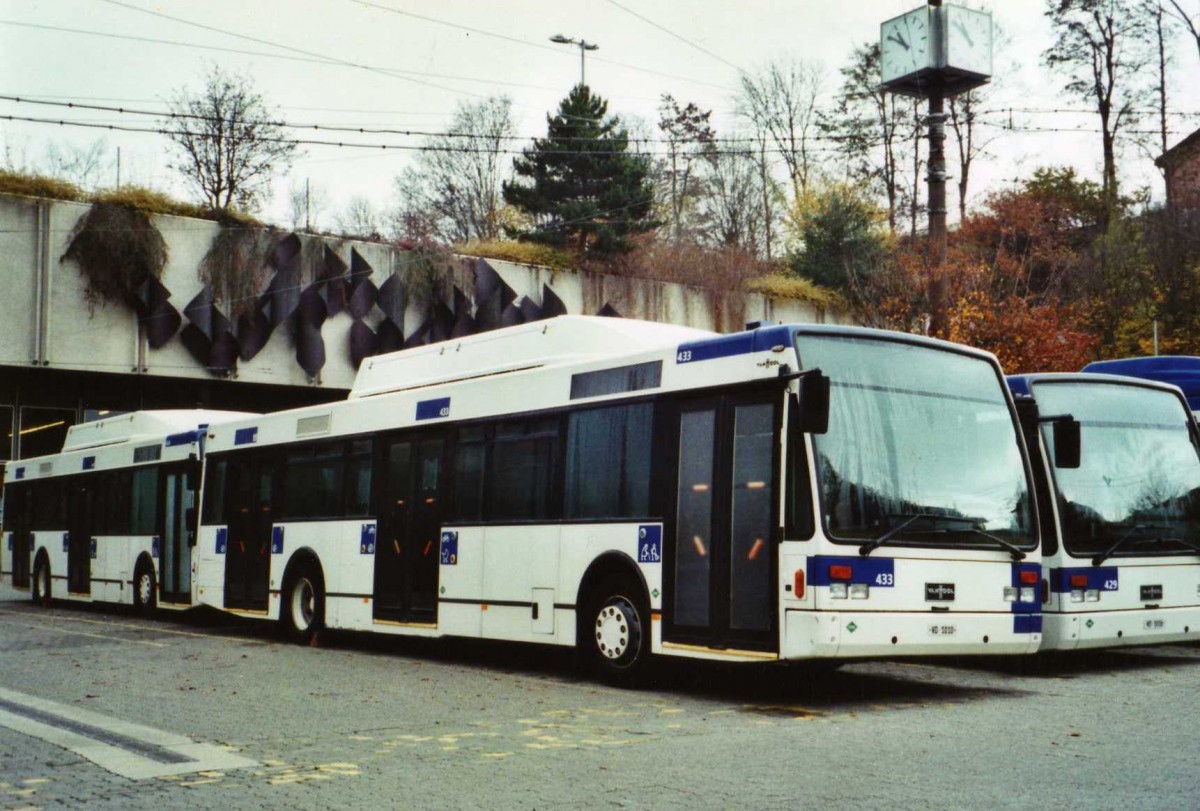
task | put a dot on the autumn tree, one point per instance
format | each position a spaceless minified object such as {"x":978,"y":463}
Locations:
{"x":838,"y":234}
{"x":581,"y":185}
{"x":453,"y":187}
{"x":230,"y":143}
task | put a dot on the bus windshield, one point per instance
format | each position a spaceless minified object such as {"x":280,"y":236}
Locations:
{"x":921,"y":447}
{"x":1138,"y":482}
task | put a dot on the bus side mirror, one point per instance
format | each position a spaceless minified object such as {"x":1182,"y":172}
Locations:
{"x":813,"y":394}
{"x":1066,"y":442}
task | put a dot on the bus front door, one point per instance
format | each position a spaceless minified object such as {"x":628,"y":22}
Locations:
{"x":79,"y":536}
{"x":248,"y":552}
{"x":719,"y":564}
{"x":410,"y":513}
{"x":174,"y":555}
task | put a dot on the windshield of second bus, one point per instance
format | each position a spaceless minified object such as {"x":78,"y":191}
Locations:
{"x":921,"y":448}
{"x":1138,"y":482}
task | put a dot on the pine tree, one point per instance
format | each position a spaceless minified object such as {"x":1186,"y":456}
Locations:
{"x":580,"y":185}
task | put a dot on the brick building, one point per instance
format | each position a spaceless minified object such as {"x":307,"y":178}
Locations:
{"x":1181,"y":165}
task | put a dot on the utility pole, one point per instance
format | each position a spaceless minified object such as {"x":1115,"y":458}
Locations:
{"x":584,"y":46}
{"x":936,"y":180}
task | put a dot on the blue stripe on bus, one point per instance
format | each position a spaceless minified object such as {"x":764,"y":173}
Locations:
{"x":726,"y":346}
{"x":1100,"y":578}
{"x":20,"y":474}
{"x":433,"y":409}
{"x":1035,"y":606}
{"x":879,"y":572}
{"x":245,"y":436}
{"x":1027,"y":624}
{"x":185,"y":438}
{"x":89,"y":463}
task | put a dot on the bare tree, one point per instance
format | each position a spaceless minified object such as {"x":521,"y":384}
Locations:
{"x":306,"y":205}
{"x":1102,"y":47}
{"x":963,"y":111}
{"x":230,"y":142}
{"x":781,"y":102}
{"x":868,"y":124}
{"x":689,"y":140}
{"x":1189,"y":19}
{"x":358,"y":218}
{"x":730,"y":210}
{"x":85,"y":166}
{"x":454,"y":184}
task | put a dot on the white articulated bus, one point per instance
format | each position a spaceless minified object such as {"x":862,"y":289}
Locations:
{"x":788,"y":492}
{"x":112,"y":517}
{"x":1121,"y":524}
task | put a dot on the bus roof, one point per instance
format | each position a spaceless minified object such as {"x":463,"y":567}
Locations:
{"x":1178,"y":370}
{"x":138,"y":425}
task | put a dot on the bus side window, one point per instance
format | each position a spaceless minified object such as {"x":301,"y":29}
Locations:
{"x":469,"y":457}
{"x":213,"y":511}
{"x":799,"y":522}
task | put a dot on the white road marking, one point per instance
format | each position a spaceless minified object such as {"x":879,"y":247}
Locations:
{"x":130,"y":750}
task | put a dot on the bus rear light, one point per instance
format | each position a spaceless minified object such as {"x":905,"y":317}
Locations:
{"x":798,"y":584}
{"x":859,"y":591}
{"x":838,"y":591}
{"x":1010,"y":594}
{"x":840,"y":572}
{"x":1079,"y":581}
{"x":1028,"y":577}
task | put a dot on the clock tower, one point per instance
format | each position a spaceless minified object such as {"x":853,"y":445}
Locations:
{"x":935,"y":52}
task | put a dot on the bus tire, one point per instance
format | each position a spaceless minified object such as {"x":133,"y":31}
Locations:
{"x":145,"y":589}
{"x":614,"y":631}
{"x":304,"y":603}
{"x":39,"y":587}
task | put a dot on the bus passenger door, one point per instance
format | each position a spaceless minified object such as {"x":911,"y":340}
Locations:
{"x":174,"y":554}
{"x":18,"y":507}
{"x":79,"y":535}
{"x":720,"y":556}
{"x":250,"y":502}
{"x":410,"y":513}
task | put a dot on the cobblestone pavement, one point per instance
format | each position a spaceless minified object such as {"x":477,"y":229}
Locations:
{"x":379,"y":722}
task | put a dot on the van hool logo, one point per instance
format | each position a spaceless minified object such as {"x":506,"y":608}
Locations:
{"x":1151,"y":593}
{"x":939,"y":592}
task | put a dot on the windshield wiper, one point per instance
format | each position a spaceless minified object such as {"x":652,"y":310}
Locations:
{"x":1129,"y":533}
{"x":1010,"y":547}
{"x":871,"y":546}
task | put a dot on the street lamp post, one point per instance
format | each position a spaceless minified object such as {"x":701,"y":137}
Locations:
{"x":583,"y":44}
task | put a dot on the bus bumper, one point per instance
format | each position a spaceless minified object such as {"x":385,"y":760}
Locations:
{"x":860,"y":634}
{"x":1108,"y":629}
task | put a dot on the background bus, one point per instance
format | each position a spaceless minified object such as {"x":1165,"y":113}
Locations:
{"x":112,"y":518}
{"x":1121,"y":541}
{"x":639,"y":488}
{"x":1178,"y":370}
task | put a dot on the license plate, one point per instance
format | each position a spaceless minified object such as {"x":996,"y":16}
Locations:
{"x":942,"y":629}
{"x":1154,"y":625}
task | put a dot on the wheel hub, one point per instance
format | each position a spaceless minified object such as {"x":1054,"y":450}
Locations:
{"x":145,"y":589}
{"x":612,"y":630}
{"x":302,"y":604}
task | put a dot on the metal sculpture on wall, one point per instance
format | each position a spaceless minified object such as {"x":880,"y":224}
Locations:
{"x":377,"y":312}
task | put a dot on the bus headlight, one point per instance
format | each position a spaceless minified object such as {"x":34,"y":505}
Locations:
{"x":859,"y":591}
{"x":838,"y":591}
{"x":1028,"y":594}
{"x":1092,"y":595}
{"x":1010,"y":594}
{"x":1077,"y":595}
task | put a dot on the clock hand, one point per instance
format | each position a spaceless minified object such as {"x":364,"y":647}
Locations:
{"x":965,"y":33}
{"x":898,"y":39}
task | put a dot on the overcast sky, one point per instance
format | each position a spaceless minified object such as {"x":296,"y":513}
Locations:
{"x":421,"y":57}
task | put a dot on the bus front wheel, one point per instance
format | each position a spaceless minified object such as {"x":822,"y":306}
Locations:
{"x":145,"y":593}
{"x":304,"y":605}
{"x":615,"y":632}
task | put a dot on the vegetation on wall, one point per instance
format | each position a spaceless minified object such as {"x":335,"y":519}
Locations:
{"x":117,"y":248}
{"x":236,"y":264}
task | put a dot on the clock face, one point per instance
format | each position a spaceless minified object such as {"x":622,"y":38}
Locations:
{"x":969,"y":40}
{"x":904,"y":44}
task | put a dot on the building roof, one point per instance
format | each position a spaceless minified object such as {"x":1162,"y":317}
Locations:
{"x":1178,"y":152}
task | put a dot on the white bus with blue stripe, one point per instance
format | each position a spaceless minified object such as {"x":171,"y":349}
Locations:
{"x":1121,"y":523}
{"x":784,"y":493}
{"x":112,"y":517}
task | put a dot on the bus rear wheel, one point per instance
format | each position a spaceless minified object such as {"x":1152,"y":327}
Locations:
{"x":39,"y":590}
{"x":304,"y":605}
{"x":615,"y":631}
{"x":145,"y":593}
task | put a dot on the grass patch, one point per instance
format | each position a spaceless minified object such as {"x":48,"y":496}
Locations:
{"x":786,"y":285}
{"x":525,"y":253}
